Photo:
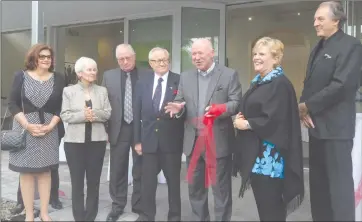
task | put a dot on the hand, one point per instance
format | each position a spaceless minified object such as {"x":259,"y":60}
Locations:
{"x":174,"y":108}
{"x":239,"y":116}
{"x":89,"y":115}
{"x":207,"y":112}
{"x":308,"y":122}
{"x":241,"y":124}
{"x":303,"y":110}
{"x":35,"y":130}
{"x":46,"y":129}
{"x":138,"y":148}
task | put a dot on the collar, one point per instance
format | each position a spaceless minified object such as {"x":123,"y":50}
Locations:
{"x":164,"y":77}
{"x":335,"y":35}
{"x":82,"y":85}
{"x":258,"y":80}
{"x":207,"y":71}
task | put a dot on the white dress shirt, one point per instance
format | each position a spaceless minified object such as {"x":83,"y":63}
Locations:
{"x":163,"y":84}
{"x":208,"y":70}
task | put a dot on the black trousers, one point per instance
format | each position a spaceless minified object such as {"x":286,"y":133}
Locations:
{"x":222,"y":192}
{"x":268,"y":197}
{"x":54,"y":193}
{"x":331,"y":180}
{"x":152,"y":164}
{"x":85,"y":160}
{"x":118,"y":182}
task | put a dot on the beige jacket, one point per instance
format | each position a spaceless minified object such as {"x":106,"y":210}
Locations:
{"x":73,"y":112}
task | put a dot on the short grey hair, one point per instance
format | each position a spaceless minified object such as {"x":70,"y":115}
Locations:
{"x":82,"y":63}
{"x":337,"y":11}
{"x":150,"y":54}
{"x":204,"y":40}
{"x":126,"y":46}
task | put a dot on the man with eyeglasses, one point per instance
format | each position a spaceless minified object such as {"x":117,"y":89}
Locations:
{"x":120,"y":84}
{"x":158,"y":137}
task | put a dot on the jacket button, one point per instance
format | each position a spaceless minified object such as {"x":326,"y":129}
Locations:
{"x":156,"y":130}
{"x":158,"y":119}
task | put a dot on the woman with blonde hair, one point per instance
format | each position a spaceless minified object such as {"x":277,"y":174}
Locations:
{"x":85,"y":109}
{"x":269,"y":146}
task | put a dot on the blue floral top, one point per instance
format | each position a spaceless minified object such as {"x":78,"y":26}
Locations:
{"x":269,"y":162}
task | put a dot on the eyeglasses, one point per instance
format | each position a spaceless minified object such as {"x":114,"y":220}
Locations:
{"x":43,"y":57}
{"x":159,"y":61}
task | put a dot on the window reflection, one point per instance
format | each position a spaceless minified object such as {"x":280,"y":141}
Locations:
{"x":144,"y":34}
{"x":198,"y":23}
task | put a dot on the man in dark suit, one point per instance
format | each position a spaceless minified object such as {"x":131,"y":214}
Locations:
{"x":120,"y":84}
{"x":327,"y":108}
{"x":208,"y":84}
{"x":158,"y":137}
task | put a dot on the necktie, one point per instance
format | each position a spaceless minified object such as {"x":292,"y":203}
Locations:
{"x":157,"y":96}
{"x":127,"y":106}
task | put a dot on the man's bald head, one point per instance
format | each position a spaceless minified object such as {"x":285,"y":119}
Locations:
{"x":202,"y":53}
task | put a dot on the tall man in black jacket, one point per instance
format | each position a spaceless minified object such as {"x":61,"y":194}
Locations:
{"x":327,"y":107}
{"x":158,"y":137}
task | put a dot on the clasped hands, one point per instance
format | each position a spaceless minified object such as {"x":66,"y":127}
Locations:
{"x":240,"y":122}
{"x":38,"y":130}
{"x":89,"y":114}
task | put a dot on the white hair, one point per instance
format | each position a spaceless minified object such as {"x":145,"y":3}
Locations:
{"x":204,"y":40}
{"x":150,"y":54}
{"x":125,"y":46}
{"x":82,"y":63}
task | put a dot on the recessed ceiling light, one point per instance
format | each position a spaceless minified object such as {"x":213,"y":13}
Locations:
{"x":250,"y":18}
{"x":298,"y":13}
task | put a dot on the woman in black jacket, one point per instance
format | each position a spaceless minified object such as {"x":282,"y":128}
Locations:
{"x":269,"y":146}
{"x":35,"y":102}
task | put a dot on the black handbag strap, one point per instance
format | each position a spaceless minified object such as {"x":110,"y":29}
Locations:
{"x":22,"y":102}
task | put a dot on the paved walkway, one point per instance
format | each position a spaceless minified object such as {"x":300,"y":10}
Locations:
{"x":243,"y":209}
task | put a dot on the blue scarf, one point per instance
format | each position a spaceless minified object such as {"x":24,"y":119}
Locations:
{"x":258,"y":80}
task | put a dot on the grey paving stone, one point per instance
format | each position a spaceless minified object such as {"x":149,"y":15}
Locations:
{"x":243,"y":209}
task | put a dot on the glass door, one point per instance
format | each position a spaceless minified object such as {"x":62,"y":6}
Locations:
{"x":202,"y":22}
{"x":147,"y":33}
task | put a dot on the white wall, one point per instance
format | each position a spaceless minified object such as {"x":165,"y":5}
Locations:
{"x":15,"y":15}
{"x":72,"y":12}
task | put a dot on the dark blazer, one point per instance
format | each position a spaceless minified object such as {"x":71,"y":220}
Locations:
{"x":157,"y":130}
{"x":330,"y":86}
{"x":112,"y":80}
{"x":53,"y":105}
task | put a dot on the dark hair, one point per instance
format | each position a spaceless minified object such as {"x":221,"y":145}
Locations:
{"x":337,"y":12}
{"x":31,"y":59}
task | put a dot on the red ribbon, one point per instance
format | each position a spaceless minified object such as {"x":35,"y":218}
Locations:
{"x":206,"y":142}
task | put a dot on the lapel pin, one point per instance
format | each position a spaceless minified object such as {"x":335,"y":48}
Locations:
{"x":327,"y":56}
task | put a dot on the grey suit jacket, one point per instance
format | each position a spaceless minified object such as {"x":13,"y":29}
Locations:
{"x":225,"y":88}
{"x":112,"y":81}
{"x":73,"y":113}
